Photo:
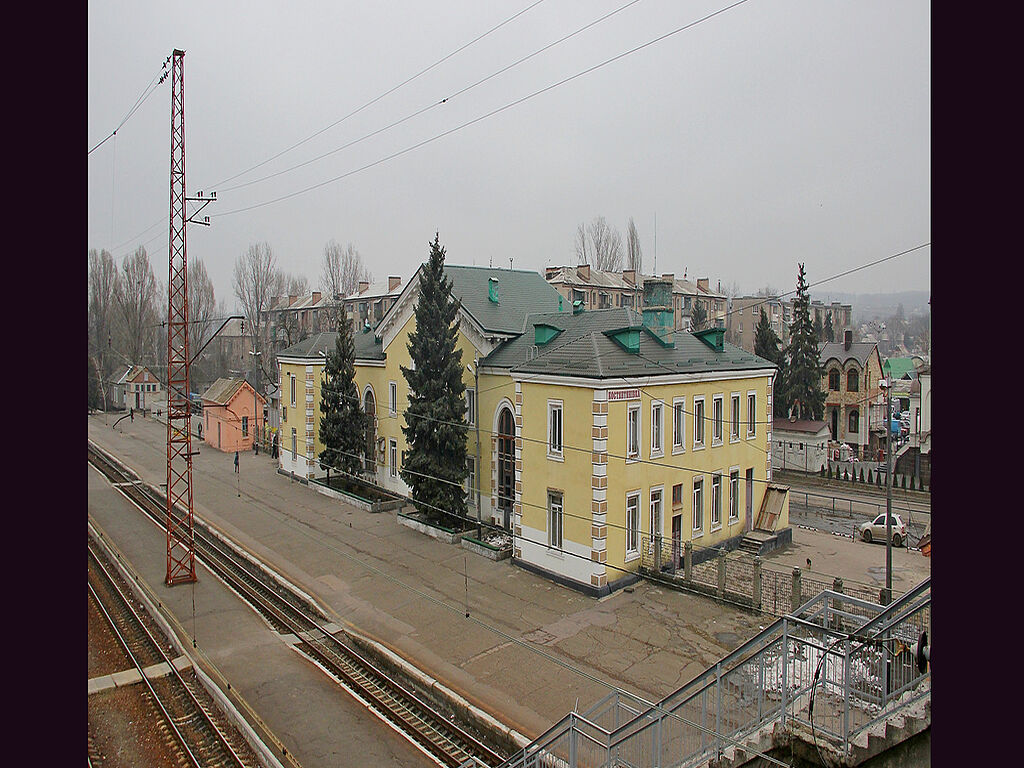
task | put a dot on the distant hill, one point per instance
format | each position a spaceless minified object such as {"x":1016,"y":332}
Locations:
{"x":869,"y":306}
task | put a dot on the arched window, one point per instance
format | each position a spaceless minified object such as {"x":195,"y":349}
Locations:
{"x":851,"y":380}
{"x":854,"y":422}
{"x":833,"y":380}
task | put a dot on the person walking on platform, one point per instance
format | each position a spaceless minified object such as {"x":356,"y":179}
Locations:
{"x":200,"y":429}
{"x":236,"y":462}
{"x":131,"y":413}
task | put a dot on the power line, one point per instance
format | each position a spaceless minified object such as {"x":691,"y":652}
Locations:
{"x":480,"y":118}
{"x":146,"y":93}
{"x":433,"y":105}
{"x":374,"y":101}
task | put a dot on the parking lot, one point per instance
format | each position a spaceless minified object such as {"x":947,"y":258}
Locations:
{"x":850,"y":559}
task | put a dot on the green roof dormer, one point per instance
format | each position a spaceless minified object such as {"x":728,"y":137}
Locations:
{"x":492,"y":289}
{"x":543,"y":333}
{"x":713,"y":337}
{"x":628,"y":338}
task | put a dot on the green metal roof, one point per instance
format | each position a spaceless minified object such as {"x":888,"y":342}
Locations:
{"x":519,"y":293}
{"x":367,"y":346}
{"x":898,"y":367}
{"x":591,"y":346}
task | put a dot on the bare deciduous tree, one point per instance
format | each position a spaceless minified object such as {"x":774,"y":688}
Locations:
{"x":137,"y":305}
{"x":634,"y":254}
{"x":256,"y":281}
{"x":342,"y":271}
{"x":201,"y":308}
{"x":104,"y":281}
{"x":599,"y":245}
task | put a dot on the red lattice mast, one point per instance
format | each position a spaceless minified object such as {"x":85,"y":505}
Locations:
{"x":181,"y":561}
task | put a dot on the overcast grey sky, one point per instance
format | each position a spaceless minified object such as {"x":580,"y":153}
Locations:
{"x":776,"y":132}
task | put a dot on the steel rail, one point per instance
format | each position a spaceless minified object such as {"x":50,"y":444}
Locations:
{"x":394,"y":702}
{"x":221,"y":741}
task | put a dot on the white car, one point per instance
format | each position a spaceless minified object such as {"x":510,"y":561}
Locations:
{"x":875,"y":530}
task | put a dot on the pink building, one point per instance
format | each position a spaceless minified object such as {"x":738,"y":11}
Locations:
{"x":230,"y":408}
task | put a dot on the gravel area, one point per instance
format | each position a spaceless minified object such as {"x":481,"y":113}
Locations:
{"x":125,"y":730}
{"x":106,"y":656}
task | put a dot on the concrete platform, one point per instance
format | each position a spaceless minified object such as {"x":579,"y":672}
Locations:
{"x":530,"y":649}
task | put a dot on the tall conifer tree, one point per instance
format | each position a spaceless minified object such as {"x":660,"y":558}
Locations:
{"x":343,"y":422}
{"x":803,"y":373}
{"x":830,"y":333}
{"x":435,"y":428}
{"x":767,"y":345}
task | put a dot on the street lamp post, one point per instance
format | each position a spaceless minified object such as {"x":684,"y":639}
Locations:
{"x":255,"y":398}
{"x":887,"y":385}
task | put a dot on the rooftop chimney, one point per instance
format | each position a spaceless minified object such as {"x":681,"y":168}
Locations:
{"x":363,"y":285}
{"x":551,"y":272}
{"x":317,"y":296}
{"x":583,"y":271}
{"x":702,"y":282}
{"x":292,"y":299}
{"x":393,"y":282}
{"x":669,"y":276}
{"x":629,"y":275}
{"x":847,"y":340}
{"x":657,"y":309}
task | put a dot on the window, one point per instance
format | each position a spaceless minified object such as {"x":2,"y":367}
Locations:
{"x":555,"y":429}
{"x":470,"y":481}
{"x":245,"y":426}
{"x":735,"y":433}
{"x":632,"y":525}
{"x":657,"y":442}
{"x":718,"y":405}
{"x":716,"y":502}
{"x":677,"y":495}
{"x":854,"y":422}
{"x":751,"y":411}
{"x":470,"y":406}
{"x":698,"y":422}
{"x":656,"y":526}
{"x":392,"y":398}
{"x":633,"y":432}
{"x":294,"y":443}
{"x":284,"y":413}
{"x":678,"y":425}
{"x":291,"y":378}
{"x":393,"y":457}
{"x":833,"y":380}
{"x":734,"y":495}
{"x":555,"y":519}
{"x":698,"y":504}
{"x":851,"y":381}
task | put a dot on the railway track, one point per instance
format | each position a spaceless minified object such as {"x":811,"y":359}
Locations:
{"x":197,"y":733}
{"x":447,"y":742}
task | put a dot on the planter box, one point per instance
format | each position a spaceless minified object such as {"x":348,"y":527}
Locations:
{"x":446,"y":535}
{"x":486,"y":550}
{"x":357,"y":501}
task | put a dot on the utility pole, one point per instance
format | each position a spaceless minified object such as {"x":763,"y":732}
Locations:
{"x":888,"y":491}
{"x":181,"y":564}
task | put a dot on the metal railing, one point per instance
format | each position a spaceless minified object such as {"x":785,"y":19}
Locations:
{"x":854,"y":658}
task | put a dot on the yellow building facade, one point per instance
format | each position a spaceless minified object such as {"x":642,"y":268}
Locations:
{"x":600,"y":433}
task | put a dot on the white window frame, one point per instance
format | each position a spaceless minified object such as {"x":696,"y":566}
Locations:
{"x":751,"y":414}
{"x":632,"y":525}
{"x":734,"y":425}
{"x":679,"y":424}
{"x":633,"y":451}
{"x":657,"y":492}
{"x":295,"y":440}
{"x":471,"y":406}
{"x":392,"y":398}
{"x":556,"y":453}
{"x":734,"y":495}
{"x":393,"y":457}
{"x":556,"y":520}
{"x":291,"y":377}
{"x":716,"y":502}
{"x":657,"y":429}
{"x":697,"y":516}
{"x":717,"y":419}
{"x":699,"y":427}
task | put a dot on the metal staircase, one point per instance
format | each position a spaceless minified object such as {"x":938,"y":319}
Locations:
{"x":839,"y":672}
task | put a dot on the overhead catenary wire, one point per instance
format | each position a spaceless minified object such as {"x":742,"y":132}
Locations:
{"x":377,"y":98}
{"x":485,"y":116}
{"x":146,"y":93}
{"x":428,"y":107}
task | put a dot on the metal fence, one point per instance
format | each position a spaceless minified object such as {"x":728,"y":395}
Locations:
{"x":852,"y":658}
{"x":738,"y":576}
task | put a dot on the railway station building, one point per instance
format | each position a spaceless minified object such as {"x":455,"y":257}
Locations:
{"x":232,"y":414}
{"x":601,"y":432}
